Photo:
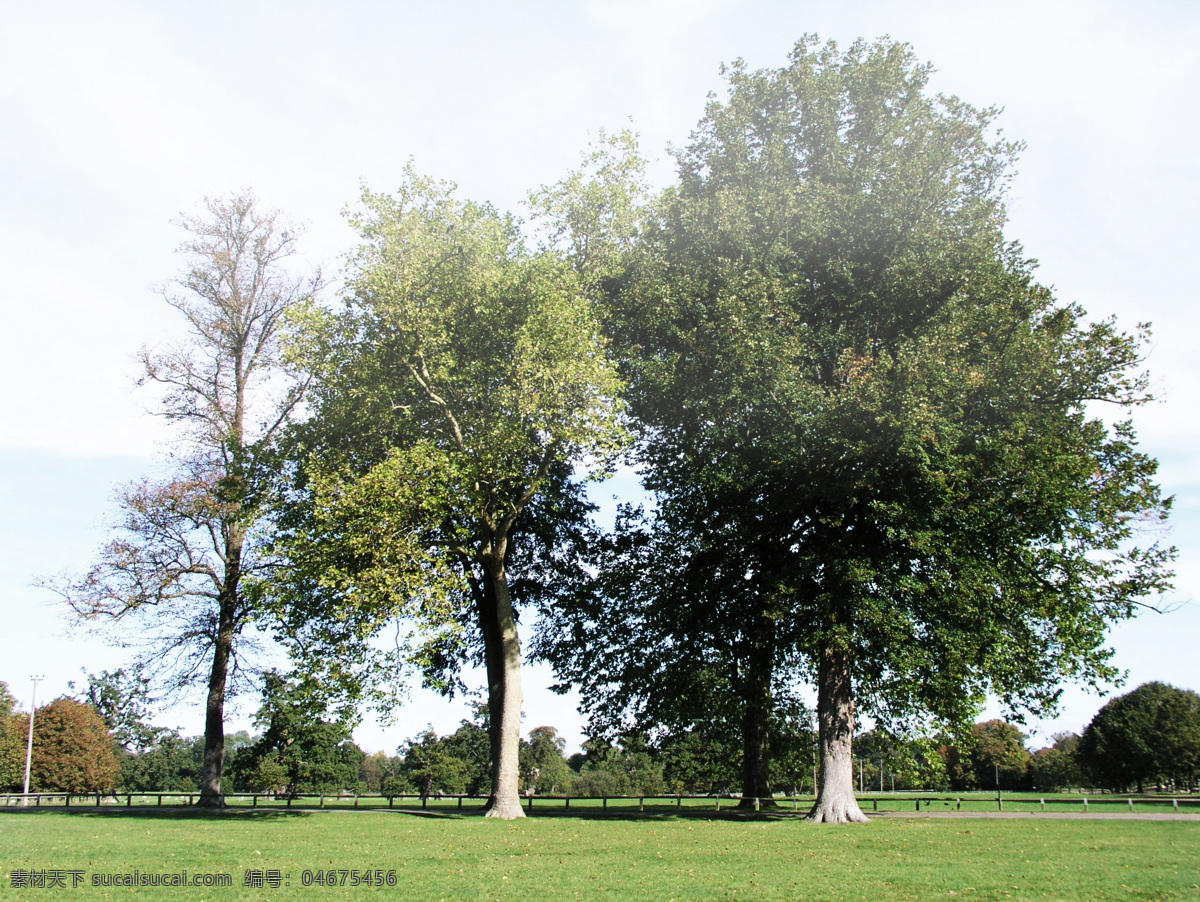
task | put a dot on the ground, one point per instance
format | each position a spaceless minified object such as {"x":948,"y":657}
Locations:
{"x":592,"y":855}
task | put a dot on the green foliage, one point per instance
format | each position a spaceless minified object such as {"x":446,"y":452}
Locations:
{"x":629,"y":768}
{"x":702,"y":761}
{"x":1149,"y":735}
{"x":998,"y":753}
{"x":299,"y":751}
{"x":459,"y":388}
{"x":1056,"y":768}
{"x":908,"y":761}
{"x":171,"y":763}
{"x":543,"y":767}
{"x":123,"y":700}
{"x":865,"y":423}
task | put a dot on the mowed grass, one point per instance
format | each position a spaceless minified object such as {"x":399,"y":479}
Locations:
{"x":617,"y":857}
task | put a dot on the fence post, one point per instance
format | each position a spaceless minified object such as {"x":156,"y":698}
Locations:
{"x":322,"y":804}
{"x":641,"y":803}
{"x":129,"y":801}
{"x":918,"y":804}
{"x":1131,"y":804}
{"x":531,"y":803}
{"x":460,"y":801}
{"x":1043,"y":803}
{"x":393,"y":798}
{"x":874,"y":804}
{"x":1176,"y":801}
{"x":604,"y":802}
{"x":1085,"y":804}
{"x":679,"y":801}
{"x":958,"y":804}
{"x":568,"y":800}
{"x":756,"y":803}
{"x":718,"y":802}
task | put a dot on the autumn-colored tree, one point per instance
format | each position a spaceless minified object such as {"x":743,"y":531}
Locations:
{"x":72,"y":749}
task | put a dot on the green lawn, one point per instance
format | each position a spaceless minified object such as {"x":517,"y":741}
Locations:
{"x":621,"y":856}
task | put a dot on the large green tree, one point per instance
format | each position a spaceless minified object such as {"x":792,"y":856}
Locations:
{"x":856,"y":399}
{"x":172,"y":580}
{"x":464,"y":383}
{"x":1149,"y":735}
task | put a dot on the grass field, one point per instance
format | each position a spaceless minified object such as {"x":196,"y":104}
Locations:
{"x":584,"y":856}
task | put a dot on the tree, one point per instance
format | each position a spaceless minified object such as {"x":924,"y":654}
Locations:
{"x":171,"y":762}
{"x":1056,"y":768}
{"x":1149,"y":735}
{"x":999,"y":759}
{"x":855,"y":398}
{"x":455,"y":395}
{"x":544,"y":770}
{"x":72,"y":749}
{"x":122,"y":699}
{"x":12,"y":748}
{"x":671,"y":652}
{"x":298,"y":750}
{"x":175,"y":576}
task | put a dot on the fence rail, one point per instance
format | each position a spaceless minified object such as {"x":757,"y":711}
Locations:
{"x":879,"y":802}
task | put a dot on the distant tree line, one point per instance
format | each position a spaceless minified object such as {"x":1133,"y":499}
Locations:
{"x":100,"y":741}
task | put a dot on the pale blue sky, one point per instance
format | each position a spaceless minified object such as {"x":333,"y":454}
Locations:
{"x":118,"y":116}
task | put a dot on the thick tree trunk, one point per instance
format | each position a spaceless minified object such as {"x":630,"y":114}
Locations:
{"x":214,"y":713}
{"x":836,"y":802}
{"x":502,"y":653}
{"x":757,"y":706}
{"x":214,"y":710}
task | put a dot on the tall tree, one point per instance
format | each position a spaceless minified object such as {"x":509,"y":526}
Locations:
{"x":173,"y":579}
{"x":464,"y":383}
{"x":854,"y":396}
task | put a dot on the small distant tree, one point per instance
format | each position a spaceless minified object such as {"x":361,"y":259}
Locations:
{"x":299,"y":750}
{"x":993,"y":755}
{"x":72,"y":749}
{"x":1055,"y":768}
{"x":543,"y":756}
{"x":169,"y":764}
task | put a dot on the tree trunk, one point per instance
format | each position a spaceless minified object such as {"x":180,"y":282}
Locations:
{"x":214,"y":711}
{"x":836,"y":802}
{"x":757,"y":706}
{"x":502,"y":654}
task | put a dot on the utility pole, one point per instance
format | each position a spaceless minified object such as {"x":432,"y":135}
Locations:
{"x":29,"y":744}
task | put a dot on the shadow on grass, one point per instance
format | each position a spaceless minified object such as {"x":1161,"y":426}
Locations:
{"x":179,"y":813}
{"x":557,"y":813}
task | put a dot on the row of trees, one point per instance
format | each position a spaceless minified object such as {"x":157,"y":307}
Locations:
{"x":1149,"y":737}
{"x":868,"y":434}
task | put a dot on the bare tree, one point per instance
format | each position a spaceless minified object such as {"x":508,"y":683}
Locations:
{"x":172,"y":580}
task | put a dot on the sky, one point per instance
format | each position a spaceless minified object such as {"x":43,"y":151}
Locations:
{"x":119,"y":117}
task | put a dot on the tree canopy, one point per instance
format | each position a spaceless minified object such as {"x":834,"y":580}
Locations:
{"x":1149,"y":735}
{"x":866,"y":414}
{"x":456,"y":394}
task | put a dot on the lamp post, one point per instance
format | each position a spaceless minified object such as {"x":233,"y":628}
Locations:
{"x":29,"y":744}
